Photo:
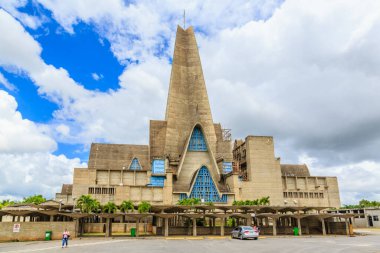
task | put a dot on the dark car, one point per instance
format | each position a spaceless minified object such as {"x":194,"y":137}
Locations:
{"x":245,"y":232}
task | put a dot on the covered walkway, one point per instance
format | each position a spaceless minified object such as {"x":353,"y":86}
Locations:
{"x":195,"y":220}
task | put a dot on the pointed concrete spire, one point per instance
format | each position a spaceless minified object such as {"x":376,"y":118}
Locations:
{"x":188,"y":102}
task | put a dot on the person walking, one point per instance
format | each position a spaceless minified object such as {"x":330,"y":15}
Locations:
{"x":65,"y":238}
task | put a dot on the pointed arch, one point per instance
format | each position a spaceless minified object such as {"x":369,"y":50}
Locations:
{"x":209,"y":150}
{"x":205,"y":188}
{"x":135,"y":164}
{"x":197,"y":140}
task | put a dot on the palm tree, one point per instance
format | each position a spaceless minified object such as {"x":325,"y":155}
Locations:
{"x":144,"y":207}
{"x":126,"y":206}
{"x":110,"y":207}
{"x":85,"y":203}
{"x":95,"y":206}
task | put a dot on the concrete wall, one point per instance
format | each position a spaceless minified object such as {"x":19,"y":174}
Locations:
{"x":116,"y":227}
{"x":264,"y":172}
{"x":31,"y":231}
{"x":337,"y":228}
{"x":200,"y":230}
{"x":133,"y":185}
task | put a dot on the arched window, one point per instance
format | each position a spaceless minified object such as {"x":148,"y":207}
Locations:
{"x":204,"y":188}
{"x":197,"y":141}
{"x":135,"y":165}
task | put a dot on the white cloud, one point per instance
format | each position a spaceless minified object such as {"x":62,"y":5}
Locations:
{"x":295,"y":77}
{"x":19,"y":50}
{"x":121,"y":116}
{"x":139,"y":29}
{"x":96,"y":76}
{"x":25,"y":156}
{"x":308,"y":75}
{"x":356,"y":180}
{"x":63,"y":130}
{"x":27,"y":20}
{"x":6,"y":83}
{"x":18,"y":135}
{"x":34,"y":173}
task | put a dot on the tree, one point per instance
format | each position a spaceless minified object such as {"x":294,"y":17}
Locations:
{"x":144,"y":207}
{"x":110,"y":207}
{"x":126,"y":206}
{"x":87,"y":204}
{"x":6,"y":202}
{"x":264,"y":201}
{"x":35,"y":199}
{"x":210,"y":203}
{"x":363,"y":204}
{"x":189,"y":202}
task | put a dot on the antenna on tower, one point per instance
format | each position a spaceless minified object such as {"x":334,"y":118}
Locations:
{"x":184,"y":19}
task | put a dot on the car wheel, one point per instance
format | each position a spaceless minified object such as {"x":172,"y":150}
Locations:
{"x":255,"y":238}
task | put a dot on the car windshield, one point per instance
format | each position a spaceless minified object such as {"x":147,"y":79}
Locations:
{"x":247,"y":228}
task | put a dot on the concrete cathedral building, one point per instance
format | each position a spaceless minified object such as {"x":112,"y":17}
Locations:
{"x":191,"y":156}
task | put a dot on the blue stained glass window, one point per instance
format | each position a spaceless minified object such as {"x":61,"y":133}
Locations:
{"x":135,"y":165}
{"x":197,"y":141}
{"x":204,"y":188}
{"x":157,"y":181}
{"x":227,"y":167}
{"x":158,"y":166}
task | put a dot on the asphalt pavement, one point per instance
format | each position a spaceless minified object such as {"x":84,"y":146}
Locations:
{"x":330,"y":244}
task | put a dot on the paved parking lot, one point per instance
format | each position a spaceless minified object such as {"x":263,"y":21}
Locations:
{"x":370,"y":243}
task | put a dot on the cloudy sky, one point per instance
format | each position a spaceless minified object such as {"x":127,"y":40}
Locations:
{"x":74,"y":72}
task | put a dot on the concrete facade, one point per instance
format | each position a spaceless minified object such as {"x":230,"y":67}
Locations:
{"x":364,"y":217}
{"x":254,"y":171}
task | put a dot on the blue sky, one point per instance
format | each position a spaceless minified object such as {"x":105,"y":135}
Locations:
{"x":73,"y":73}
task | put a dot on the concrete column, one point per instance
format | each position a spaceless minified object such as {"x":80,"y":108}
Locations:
{"x":51,"y":217}
{"x":307,"y":228}
{"x":137,"y":227}
{"x":249,"y":221}
{"x":214,"y":226}
{"x":323,"y":227}
{"x":166,"y":233}
{"x":347,"y":227}
{"x":328,"y":230}
{"x":108,"y":228}
{"x":189,"y":227}
{"x":222,"y":226}
{"x":299,"y":226}
{"x":194,"y":227}
{"x":76,"y":232}
{"x":274,"y":221}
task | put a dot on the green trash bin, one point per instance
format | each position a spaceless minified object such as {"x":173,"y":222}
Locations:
{"x":133,"y":232}
{"x":296,"y":231}
{"x":48,"y":235}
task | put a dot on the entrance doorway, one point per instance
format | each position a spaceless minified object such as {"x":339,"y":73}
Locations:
{"x":370,"y":221}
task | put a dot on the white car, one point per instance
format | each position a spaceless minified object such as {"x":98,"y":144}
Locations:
{"x":245,"y":232}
